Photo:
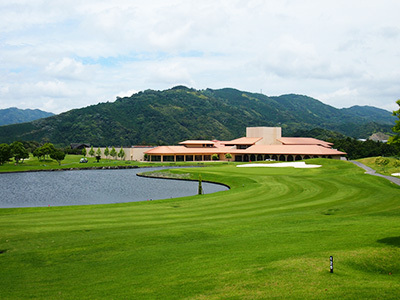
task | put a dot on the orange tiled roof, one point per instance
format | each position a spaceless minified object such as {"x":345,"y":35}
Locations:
{"x":196,"y":142}
{"x":292,"y":149}
{"x":243,"y":141}
{"x":303,"y":141}
{"x":255,"y":149}
{"x":181,"y":150}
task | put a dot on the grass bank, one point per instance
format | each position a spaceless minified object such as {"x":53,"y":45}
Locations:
{"x":269,"y":236}
{"x":389,"y":169}
{"x":72,"y":162}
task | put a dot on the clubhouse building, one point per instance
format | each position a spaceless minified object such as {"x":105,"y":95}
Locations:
{"x":259,"y":144}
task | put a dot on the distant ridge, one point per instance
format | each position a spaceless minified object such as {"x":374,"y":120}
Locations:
{"x":15,"y":115}
{"x":370,"y":113}
{"x":180,"y":113}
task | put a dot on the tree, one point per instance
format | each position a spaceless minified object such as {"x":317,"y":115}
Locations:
{"x":44,"y":151}
{"x":30,"y":146}
{"x":113,"y":152}
{"x":18,"y":151}
{"x":5,"y":153}
{"x":121,"y":153}
{"x":106,"y":152}
{"x":228,"y":156}
{"x":38,"y":153}
{"x":396,"y":138}
{"x":84,"y":152}
{"x":215,"y":157}
{"x":91,"y":151}
{"x":47,"y":149}
{"x":58,"y":155}
{"x":98,"y":152}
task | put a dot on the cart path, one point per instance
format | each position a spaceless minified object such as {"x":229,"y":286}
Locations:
{"x":371,"y":171}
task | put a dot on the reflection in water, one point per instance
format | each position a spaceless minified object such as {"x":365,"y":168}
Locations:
{"x":91,"y":187}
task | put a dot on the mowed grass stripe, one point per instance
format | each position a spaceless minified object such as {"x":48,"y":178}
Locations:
{"x":292,"y":196}
{"x":242,"y":208}
{"x":246,"y":243}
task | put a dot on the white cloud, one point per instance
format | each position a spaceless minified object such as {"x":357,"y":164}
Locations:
{"x":64,"y":55}
{"x":126,"y":93}
{"x":67,"y":68}
{"x":340,"y":98}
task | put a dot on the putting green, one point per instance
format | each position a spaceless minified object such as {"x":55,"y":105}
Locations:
{"x":269,"y":236}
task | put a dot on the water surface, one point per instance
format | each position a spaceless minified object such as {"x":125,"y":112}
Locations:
{"x":59,"y":188}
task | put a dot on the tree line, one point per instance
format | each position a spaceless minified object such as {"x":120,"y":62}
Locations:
{"x":107,"y":152}
{"x":19,"y":152}
{"x":356,"y":149}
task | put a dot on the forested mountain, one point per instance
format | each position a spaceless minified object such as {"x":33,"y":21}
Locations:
{"x":371,"y":114}
{"x":14,"y":115}
{"x":170,"y":116}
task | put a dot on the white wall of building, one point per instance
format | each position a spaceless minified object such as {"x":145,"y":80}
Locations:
{"x":269,"y":134}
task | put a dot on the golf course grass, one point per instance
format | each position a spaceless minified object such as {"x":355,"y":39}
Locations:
{"x":388,"y":169}
{"x":72,"y":162}
{"x":269,"y":236}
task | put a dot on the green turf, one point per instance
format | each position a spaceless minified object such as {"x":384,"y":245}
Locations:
{"x":270,"y":236}
{"x":389,"y":169}
{"x":72,"y":162}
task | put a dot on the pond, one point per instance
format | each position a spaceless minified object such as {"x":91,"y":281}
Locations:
{"x":33,"y":189}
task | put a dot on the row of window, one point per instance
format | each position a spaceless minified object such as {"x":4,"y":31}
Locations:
{"x":263,"y":157}
{"x":238,"y":158}
{"x":181,"y":157}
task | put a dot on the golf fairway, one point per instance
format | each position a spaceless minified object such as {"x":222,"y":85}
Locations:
{"x":269,"y":236}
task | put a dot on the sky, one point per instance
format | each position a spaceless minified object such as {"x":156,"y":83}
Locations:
{"x":60,"y":55}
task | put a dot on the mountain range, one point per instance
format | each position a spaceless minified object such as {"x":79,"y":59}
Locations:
{"x":180,"y":113}
{"x":14,"y":115}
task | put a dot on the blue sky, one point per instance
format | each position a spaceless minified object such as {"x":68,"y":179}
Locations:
{"x":59,"y":55}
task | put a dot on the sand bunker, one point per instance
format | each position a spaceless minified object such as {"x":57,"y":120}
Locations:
{"x":396,"y":174}
{"x":296,"y":164}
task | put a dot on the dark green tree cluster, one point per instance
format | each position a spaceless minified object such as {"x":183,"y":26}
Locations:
{"x":15,"y":150}
{"x":356,"y":149}
{"x":5,"y":153}
{"x":44,"y":151}
{"x":48,"y":150}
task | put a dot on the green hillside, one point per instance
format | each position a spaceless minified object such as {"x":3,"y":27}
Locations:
{"x":14,"y":115}
{"x":370,"y":113}
{"x":170,"y":116}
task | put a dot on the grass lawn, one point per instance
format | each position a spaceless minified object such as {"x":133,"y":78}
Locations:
{"x":389,"y":169}
{"x":270,"y":236}
{"x":72,"y":161}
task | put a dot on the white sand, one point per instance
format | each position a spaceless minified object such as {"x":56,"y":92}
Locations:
{"x":296,"y":164}
{"x":396,"y":174}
